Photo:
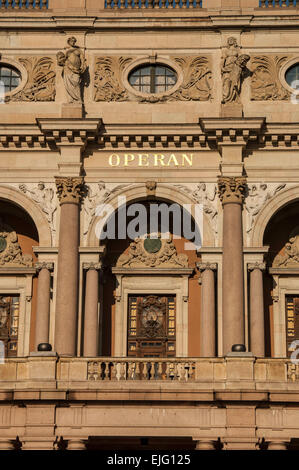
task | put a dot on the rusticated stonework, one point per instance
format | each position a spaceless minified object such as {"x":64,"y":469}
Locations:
{"x":231,"y":189}
{"x":10,"y":250}
{"x":107,"y":81}
{"x":265,"y":83}
{"x":196,"y":84}
{"x":152,"y":252}
{"x":40,"y":85}
{"x":289,"y":258}
{"x":69,"y":190}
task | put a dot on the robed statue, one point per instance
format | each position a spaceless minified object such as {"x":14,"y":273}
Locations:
{"x":233,"y":70}
{"x":74,"y":66}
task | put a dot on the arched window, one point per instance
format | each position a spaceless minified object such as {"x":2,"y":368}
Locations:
{"x":152,"y":78}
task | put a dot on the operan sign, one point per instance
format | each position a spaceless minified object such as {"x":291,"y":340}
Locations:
{"x":151,"y":159}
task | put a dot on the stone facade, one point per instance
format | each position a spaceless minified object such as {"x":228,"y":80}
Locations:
{"x":82,"y":132}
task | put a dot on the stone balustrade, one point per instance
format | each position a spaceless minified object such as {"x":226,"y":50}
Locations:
{"x":17,"y":4}
{"x":153,"y":4}
{"x":243,"y":373}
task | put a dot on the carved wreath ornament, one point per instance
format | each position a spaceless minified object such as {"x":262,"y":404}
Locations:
{"x":153,"y":252}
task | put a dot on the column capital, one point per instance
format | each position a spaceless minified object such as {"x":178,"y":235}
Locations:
{"x":91,"y":265}
{"x":257,"y":265}
{"x":231,"y":189}
{"x":44,"y":265}
{"x":203,"y":266}
{"x":69,"y":189}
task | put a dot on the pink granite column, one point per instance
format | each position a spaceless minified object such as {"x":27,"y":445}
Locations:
{"x":231,"y":191}
{"x":91,"y":322}
{"x":257,"y":327}
{"x":43,"y":303}
{"x":207,"y":314}
{"x":69,"y":192}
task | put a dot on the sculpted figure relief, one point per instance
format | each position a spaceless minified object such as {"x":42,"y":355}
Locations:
{"x":45,"y":198}
{"x":233,"y":67}
{"x":289,"y":258}
{"x":74,"y":66}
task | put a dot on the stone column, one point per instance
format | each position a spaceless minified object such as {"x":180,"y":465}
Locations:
{"x":91,"y":322}
{"x":43,"y":303}
{"x":231,"y":192}
{"x":257,"y":327}
{"x":69,"y":191}
{"x":207,"y":320}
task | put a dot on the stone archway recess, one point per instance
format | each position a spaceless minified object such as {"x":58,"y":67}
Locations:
{"x":40,"y":221}
{"x":270,"y":209}
{"x":163,"y":193}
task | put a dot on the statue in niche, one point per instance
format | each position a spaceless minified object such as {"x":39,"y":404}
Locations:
{"x":233,"y":71}
{"x":74,"y":66}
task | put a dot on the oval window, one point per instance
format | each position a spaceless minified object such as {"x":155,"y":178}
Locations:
{"x":292,"y":76}
{"x":10,"y":77}
{"x":152,"y":78}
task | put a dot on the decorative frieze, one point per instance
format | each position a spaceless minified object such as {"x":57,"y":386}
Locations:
{"x":10,"y":250}
{"x":257,"y":196}
{"x":44,"y":196}
{"x":231,"y":189}
{"x":152,"y":252}
{"x":108,"y":78}
{"x":40,"y":85}
{"x":290,"y":254}
{"x":70,"y":190}
{"x":265,"y":83}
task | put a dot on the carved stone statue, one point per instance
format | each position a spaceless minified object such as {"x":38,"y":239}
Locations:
{"x":233,"y":67}
{"x":289,"y":258}
{"x":74,"y":66}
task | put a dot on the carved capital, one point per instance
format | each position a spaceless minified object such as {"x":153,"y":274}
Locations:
{"x":69,"y":190}
{"x":95,"y":266}
{"x":203,"y":266}
{"x":260,"y":266}
{"x":44,"y":265}
{"x":231,"y":189}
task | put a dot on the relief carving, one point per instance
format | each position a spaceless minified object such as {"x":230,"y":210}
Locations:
{"x":41,"y":80}
{"x":152,"y":252}
{"x":96,"y":194}
{"x":289,"y":258}
{"x":74,"y":66}
{"x":233,"y":71}
{"x":70,"y":190}
{"x":265,"y":84}
{"x":44,"y":197}
{"x":107,"y":80}
{"x":152,"y":312}
{"x":196,"y":82}
{"x":10,"y":250}
{"x":231,"y":189}
{"x":257,"y":196}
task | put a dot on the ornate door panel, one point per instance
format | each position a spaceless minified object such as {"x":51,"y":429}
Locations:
{"x":9,"y":323}
{"x":151,"y":326}
{"x":292,"y":320}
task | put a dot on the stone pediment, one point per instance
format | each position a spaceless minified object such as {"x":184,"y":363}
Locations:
{"x":152,"y":252}
{"x":10,"y":250}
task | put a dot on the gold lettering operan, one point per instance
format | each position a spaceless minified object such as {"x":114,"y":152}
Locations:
{"x":150,"y":159}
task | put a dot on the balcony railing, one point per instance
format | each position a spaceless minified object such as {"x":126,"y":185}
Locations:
{"x":17,"y":4}
{"x":277,"y":3}
{"x":157,"y":4}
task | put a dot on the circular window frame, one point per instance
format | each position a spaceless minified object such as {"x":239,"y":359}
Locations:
{"x":283,"y":70}
{"x":144,"y":61}
{"x":22,"y":71}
